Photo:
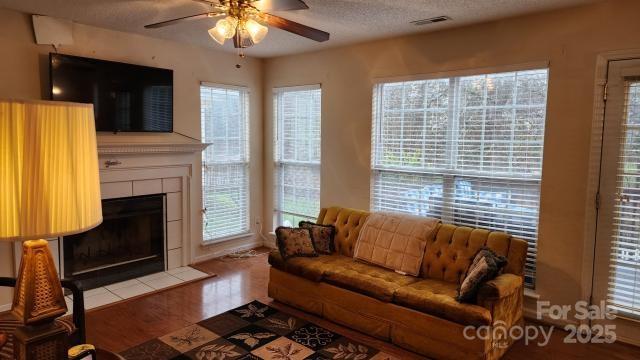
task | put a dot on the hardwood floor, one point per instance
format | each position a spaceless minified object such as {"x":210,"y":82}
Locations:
{"x":126,"y":324}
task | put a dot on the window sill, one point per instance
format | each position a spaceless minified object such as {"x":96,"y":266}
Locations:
{"x":226,"y":238}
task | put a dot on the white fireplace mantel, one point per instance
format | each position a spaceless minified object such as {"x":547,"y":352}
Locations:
{"x":141,"y":164}
{"x":149,"y":148}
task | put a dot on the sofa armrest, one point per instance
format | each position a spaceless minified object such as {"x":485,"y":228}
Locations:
{"x":503,"y":297}
{"x":500,"y":287}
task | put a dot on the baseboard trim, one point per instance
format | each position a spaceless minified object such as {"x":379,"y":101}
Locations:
{"x":229,"y":247}
{"x":627,"y":340}
{"x":5,"y":307}
{"x":532,"y":315}
{"x":270,"y":242}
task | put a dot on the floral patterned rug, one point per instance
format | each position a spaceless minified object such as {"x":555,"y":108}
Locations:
{"x":253,"y":331}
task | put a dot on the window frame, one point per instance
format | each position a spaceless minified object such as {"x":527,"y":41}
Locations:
{"x":246,"y":162}
{"x":280,"y":164}
{"x":450,"y":173}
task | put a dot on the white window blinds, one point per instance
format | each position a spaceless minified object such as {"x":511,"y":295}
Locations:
{"x":467,"y":150}
{"x":297,"y":114}
{"x":624,"y":284}
{"x":225,"y":163}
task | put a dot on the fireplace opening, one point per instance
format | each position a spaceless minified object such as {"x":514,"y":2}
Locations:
{"x":128,"y":244}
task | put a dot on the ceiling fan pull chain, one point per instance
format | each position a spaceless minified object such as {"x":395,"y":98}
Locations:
{"x":239,"y":41}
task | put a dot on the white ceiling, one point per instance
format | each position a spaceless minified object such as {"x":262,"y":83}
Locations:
{"x":348,"y":21}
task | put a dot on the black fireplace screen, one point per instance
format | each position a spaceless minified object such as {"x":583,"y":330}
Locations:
{"x":129,"y":243}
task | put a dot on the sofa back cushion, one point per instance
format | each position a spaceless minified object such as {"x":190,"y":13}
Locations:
{"x":348,"y":223}
{"x":395,"y":241}
{"x":450,"y":253}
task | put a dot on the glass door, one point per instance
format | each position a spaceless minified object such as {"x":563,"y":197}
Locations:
{"x":617,"y":256}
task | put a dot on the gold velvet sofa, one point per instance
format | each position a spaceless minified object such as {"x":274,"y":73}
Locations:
{"x":416,"y":313}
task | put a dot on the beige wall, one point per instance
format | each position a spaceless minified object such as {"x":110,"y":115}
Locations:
{"x":24,"y":74}
{"x":569,"y":39}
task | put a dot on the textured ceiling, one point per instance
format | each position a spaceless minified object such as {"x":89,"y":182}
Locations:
{"x":348,"y":21}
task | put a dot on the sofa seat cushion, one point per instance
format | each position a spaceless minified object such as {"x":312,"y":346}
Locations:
{"x":371,"y":280}
{"x":437,"y":298}
{"x":311,"y":268}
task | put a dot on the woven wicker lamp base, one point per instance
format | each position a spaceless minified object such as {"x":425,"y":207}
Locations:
{"x":38,"y":296}
{"x":37,"y":301}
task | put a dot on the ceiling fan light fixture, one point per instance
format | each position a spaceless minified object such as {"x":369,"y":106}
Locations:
{"x":215,"y":35}
{"x":256,"y":31}
{"x":245,"y":21}
{"x":224,"y":29}
{"x":227,"y":26}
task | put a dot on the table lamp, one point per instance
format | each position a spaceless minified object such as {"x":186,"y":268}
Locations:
{"x":49,"y":187}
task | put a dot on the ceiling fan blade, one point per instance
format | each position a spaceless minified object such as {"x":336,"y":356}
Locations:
{"x":184,"y":18}
{"x":209,"y":2}
{"x":296,"y":28}
{"x":278,"y":5}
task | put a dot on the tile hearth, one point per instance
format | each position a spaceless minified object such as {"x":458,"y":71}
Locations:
{"x":127,"y":289}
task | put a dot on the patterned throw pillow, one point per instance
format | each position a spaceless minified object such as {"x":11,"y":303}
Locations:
{"x":321,"y":235}
{"x":486,"y":266}
{"x":294,"y":242}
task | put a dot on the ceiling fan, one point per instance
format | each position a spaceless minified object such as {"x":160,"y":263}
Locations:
{"x":243,"y":21}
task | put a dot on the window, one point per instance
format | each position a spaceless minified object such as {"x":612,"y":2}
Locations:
{"x":624,"y":265}
{"x":297,"y":114}
{"x":225,"y":163}
{"x":467,"y":150}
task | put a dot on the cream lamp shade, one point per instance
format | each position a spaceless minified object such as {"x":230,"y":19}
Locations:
{"x":49,"y":187}
{"x":49,"y":180}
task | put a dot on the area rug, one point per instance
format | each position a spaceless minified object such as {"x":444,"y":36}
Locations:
{"x":254,"y":331}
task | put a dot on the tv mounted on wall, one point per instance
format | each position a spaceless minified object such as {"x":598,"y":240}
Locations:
{"x":125,"y":97}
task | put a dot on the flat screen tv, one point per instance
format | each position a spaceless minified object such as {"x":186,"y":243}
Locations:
{"x":125,"y":97}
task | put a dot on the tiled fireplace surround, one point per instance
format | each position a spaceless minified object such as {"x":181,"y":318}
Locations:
{"x":175,"y":210}
{"x":132,"y":169}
